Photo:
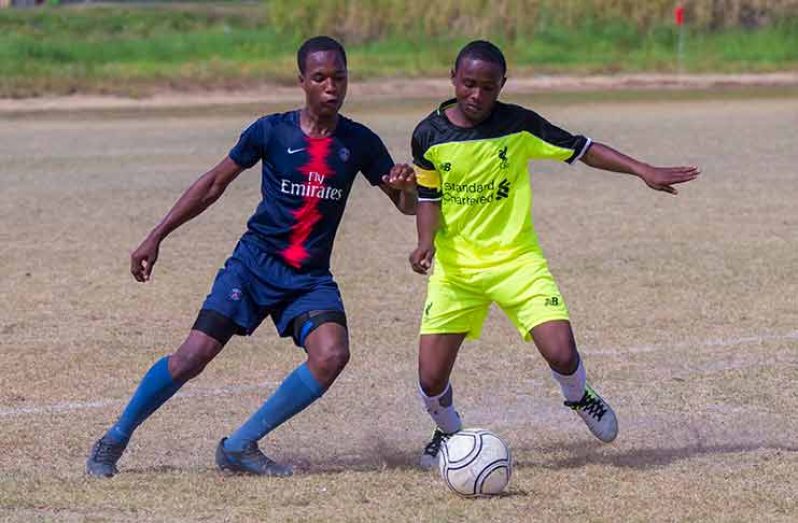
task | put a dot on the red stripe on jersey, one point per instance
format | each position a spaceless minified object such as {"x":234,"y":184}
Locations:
{"x":316,"y":170}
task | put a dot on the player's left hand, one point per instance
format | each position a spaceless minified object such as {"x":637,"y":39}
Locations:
{"x":421,"y":258}
{"x":402,"y":177}
{"x":663,"y":178}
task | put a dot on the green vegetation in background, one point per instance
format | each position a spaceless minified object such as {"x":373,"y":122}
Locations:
{"x":130,"y":50}
{"x":365,"y":20}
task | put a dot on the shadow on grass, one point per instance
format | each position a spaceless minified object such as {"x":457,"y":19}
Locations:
{"x":568,"y":456}
{"x":580,"y":455}
{"x":379,"y":457}
{"x":576,"y":455}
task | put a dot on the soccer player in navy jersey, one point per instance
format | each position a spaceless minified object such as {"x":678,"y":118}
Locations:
{"x":280,"y":267}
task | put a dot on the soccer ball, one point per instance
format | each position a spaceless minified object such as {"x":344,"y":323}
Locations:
{"x":475,"y":462}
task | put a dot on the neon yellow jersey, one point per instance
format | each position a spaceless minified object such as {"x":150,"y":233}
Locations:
{"x":480,"y":175}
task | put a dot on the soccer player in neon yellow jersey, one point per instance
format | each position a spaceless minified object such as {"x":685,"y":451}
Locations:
{"x":474,"y":219}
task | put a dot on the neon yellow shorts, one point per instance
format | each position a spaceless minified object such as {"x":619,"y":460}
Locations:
{"x":458,"y":300}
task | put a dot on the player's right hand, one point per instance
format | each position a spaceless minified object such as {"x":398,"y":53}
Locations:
{"x":663,"y":178}
{"x":421,"y":258}
{"x":402,"y":177}
{"x":143,"y":259}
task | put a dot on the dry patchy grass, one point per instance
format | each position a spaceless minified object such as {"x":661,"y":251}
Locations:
{"x":685,"y":309}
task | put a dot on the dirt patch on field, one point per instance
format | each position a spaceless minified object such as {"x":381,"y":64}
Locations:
{"x":400,"y":88}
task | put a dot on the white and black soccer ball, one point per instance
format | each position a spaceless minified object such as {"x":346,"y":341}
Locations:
{"x":475,"y":462}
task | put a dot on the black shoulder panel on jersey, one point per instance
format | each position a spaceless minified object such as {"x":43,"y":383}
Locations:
{"x":505,"y":119}
{"x":550,"y":133}
{"x":422,"y":140}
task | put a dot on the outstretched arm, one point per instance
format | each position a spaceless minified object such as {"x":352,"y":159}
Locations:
{"x":427,"y":223}
{"x":400,"y":186}
{"x":604,"y":157}
{"x":198,"y":197}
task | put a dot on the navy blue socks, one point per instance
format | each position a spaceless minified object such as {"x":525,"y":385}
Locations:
{"x":297,"y":391}
{"x":155,"y":388}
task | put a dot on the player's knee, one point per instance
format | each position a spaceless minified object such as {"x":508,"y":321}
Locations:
{"x":564,"y":360}
{"x":337,"y":358}
{"x":183,"y":367}
{"x":189,"y":361}
{"x":331,"y":359}
{"x":432,"y":384}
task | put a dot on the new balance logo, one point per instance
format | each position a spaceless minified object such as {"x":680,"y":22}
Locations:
{"x":504,"y":190}
{"x":427,"y":308}
{"x":553,"y":301}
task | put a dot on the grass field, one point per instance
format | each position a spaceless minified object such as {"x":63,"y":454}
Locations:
{"x":685,"y":310}
{"x":135,"y":50}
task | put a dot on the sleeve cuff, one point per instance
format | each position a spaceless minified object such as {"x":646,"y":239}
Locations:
{"x":581,"y":152}
{"x":428,"y":194}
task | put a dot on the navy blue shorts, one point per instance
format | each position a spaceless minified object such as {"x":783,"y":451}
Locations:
{"x":253,"y":284}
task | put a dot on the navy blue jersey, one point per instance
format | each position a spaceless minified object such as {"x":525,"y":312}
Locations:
{"x":306,"y":182}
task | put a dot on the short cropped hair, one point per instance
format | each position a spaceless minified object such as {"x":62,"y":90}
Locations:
{"x":482,"y":50}
{"x":315,"y":44}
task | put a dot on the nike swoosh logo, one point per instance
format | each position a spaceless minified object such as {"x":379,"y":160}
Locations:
{"x":294,"y":151}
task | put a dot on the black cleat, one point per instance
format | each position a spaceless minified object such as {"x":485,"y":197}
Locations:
{"x":249,"y":461}
{"x":103,"y":457}
{"x":429,"y":457}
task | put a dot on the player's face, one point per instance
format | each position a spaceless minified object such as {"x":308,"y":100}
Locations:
{"x":324,"y":82}
{"x":477,"y":85}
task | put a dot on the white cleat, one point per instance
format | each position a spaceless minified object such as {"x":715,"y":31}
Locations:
{"x":597,"y":415}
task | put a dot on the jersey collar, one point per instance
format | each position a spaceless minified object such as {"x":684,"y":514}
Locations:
{"x":452,"y":101}
{"x":445,"y":105}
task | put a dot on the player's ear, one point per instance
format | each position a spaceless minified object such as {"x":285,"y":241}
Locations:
{"x":300,"y":78}
{"x":504,"y":81}
{"x":452,"y":74}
